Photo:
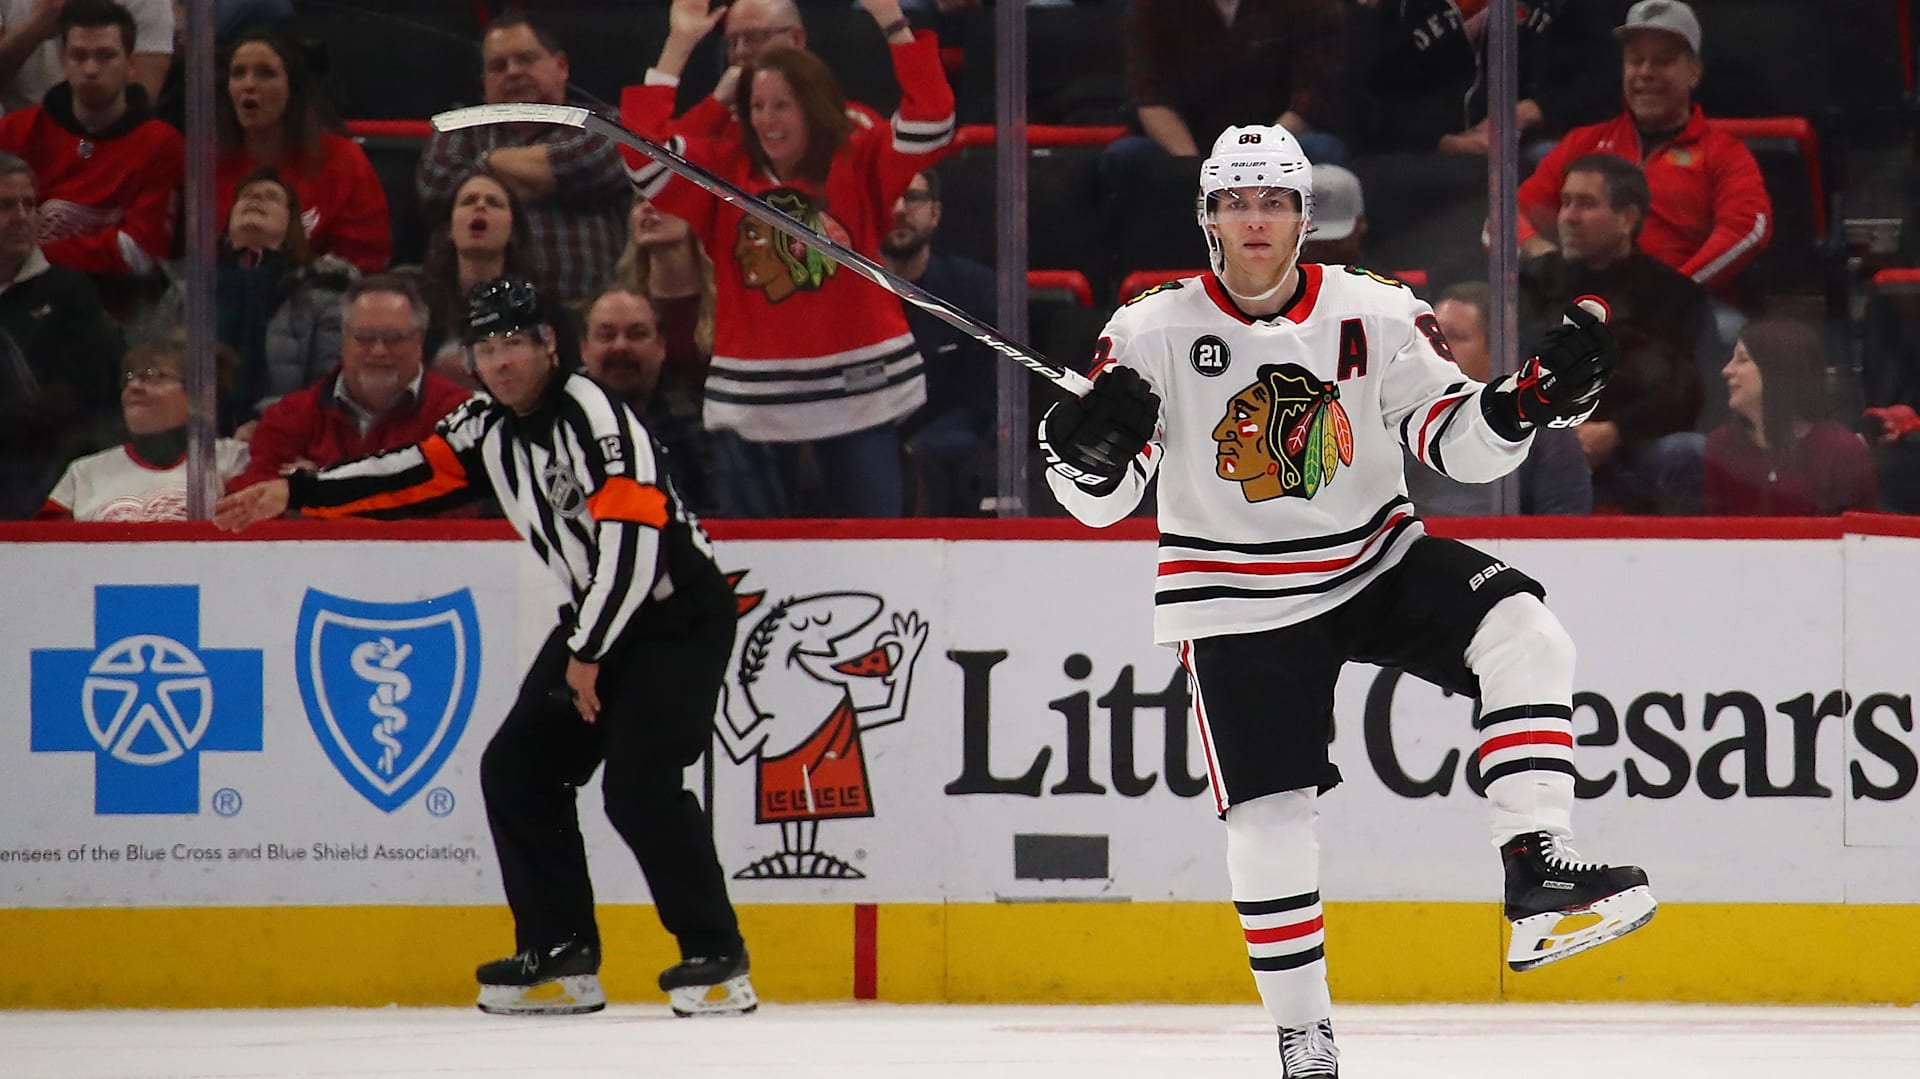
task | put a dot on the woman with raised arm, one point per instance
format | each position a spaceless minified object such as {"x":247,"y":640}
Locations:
{"x":806,"y":356}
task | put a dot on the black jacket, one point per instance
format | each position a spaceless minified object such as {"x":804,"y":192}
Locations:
{"x":59,"y":380}
{"x":1420,"y":74}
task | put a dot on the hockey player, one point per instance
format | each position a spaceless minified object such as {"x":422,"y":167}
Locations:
{"x":1273,"y":398}
{"x":629,"y":678}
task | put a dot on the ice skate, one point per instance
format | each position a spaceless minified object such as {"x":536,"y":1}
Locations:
{"x":716,"y":986}
{"x":1308,"y":1052}
{"x":1561,"y":906}
{"x":560,"y":980}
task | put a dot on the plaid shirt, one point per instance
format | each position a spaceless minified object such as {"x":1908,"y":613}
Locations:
{"x":579,"y":232}
{"x":1278,"y":56}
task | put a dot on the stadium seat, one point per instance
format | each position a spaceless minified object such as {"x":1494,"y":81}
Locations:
{"x":1890,"y":360}
{"x":1799,"y":259}
{"x":395,"y":155}
{"x":1152,"y":217}
{"x":1141,"y":280}
{"x":1050,"y":292}
{"x":1064,"y":226}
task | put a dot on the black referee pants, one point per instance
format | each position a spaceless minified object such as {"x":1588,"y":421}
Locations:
{"x":658,"y":688}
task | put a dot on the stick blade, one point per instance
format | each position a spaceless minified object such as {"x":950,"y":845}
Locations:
{"x":510,"y":113}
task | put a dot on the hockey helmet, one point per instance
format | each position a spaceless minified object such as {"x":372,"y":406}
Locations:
{"x":1255,"y":156}
{"x":504,"y":305}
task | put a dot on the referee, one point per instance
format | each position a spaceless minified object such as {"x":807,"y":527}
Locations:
{"x":630,"y":676}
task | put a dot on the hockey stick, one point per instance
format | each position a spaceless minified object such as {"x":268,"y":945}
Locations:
{"x":574,"y":116}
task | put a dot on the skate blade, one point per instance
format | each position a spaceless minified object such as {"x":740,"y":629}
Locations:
{"x":1549,"y":938}
{"x":573,"y":995}
{"x":734,"y":996}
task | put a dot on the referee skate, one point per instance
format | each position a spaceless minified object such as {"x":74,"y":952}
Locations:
{"x":701,"y":986}
{"x":560,"y":980}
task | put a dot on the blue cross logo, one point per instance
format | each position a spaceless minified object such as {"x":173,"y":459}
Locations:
{"x":146,"y":700}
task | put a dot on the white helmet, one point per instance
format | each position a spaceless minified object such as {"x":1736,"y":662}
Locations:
{"x":1257,"y":156}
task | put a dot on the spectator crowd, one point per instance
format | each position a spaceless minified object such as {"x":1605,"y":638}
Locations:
{"x":1770,"y":364}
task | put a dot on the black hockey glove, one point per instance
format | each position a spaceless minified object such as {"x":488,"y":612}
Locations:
{"x":1560,"y":384}
{"x":1092,"y":439}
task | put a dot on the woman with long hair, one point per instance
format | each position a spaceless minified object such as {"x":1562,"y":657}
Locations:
{"x":808,"y":359}
{"x":664,"y":262}
{"x":270,"y":113}
{"x":484,"y":237}
{"x":1779,"y":454}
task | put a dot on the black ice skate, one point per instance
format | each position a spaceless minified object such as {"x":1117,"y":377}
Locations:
{"x":558,"y":980}
{"x":716,"y":986}
{"x":1561,"y":906}
{"x":1308,"y":1052}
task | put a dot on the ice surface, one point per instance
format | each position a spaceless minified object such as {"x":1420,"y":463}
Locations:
{"x":858,"y":1041}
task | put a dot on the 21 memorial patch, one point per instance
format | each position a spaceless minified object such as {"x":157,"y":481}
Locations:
{"x":1210,"y":356}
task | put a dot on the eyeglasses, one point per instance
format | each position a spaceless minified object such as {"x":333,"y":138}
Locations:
{"x":753,"y":39}
{"x":150,"y":376}
{"x":370,"y":338}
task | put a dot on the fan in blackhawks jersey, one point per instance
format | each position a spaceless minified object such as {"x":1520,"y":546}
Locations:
{"x":1273,"y":399}
{"x":629,"y":678}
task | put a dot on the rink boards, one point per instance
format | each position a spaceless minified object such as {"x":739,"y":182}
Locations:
{"x":246,"y":772}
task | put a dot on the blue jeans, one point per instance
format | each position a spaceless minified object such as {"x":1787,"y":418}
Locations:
{"x":850,"y":475}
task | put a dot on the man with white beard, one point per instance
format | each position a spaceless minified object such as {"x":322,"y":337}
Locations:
{"x":624,"y":350}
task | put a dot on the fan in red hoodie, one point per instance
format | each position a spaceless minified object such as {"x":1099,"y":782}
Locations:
{"x":108,"y":173}
{"x":804,"y":350}
{"x":270,"y":115}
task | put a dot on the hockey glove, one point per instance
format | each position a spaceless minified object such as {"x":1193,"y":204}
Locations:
{"x":1560,"y":384}
{"x":1090,"y":440}
{"x":1889,"y":425}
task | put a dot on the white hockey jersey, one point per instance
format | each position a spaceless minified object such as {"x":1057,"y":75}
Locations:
{"x":1281,"y":485}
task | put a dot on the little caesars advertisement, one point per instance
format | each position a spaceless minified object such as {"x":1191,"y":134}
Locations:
{"x":302,"y":723}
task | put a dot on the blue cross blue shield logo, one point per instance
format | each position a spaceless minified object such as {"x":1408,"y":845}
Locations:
{"x":388,"y":686}
{"x":146,"y":700}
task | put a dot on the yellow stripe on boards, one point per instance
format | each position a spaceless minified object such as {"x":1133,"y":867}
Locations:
{"x":964,"y":953}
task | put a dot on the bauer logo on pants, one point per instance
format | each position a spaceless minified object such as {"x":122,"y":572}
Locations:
{"x":814,"y":674}
{"x":388,"y":686}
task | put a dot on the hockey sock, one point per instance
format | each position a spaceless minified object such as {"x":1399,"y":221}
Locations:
{"x":1273,"y":861}
{"x":1524,"y":660}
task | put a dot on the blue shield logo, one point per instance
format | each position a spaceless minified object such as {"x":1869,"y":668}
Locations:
{"x":388,"y":686}
{"x":146,"y":700}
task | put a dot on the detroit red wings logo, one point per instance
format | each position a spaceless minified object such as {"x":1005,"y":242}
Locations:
{"x":813,"y":676}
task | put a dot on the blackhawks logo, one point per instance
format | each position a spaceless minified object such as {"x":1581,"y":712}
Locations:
{"x":1283,"y":435}
{"x":778,"y":264}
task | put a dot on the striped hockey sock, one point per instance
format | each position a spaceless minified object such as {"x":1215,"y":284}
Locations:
{"x":1524,"y":661}
{"x":1274,"y":862}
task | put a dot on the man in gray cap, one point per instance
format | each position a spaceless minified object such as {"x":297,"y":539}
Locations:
{"x":1710,"y":214}
{"x":1339,"y":218}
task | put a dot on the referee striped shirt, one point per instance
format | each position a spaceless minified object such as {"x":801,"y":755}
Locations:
{"x":579,"y":478}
